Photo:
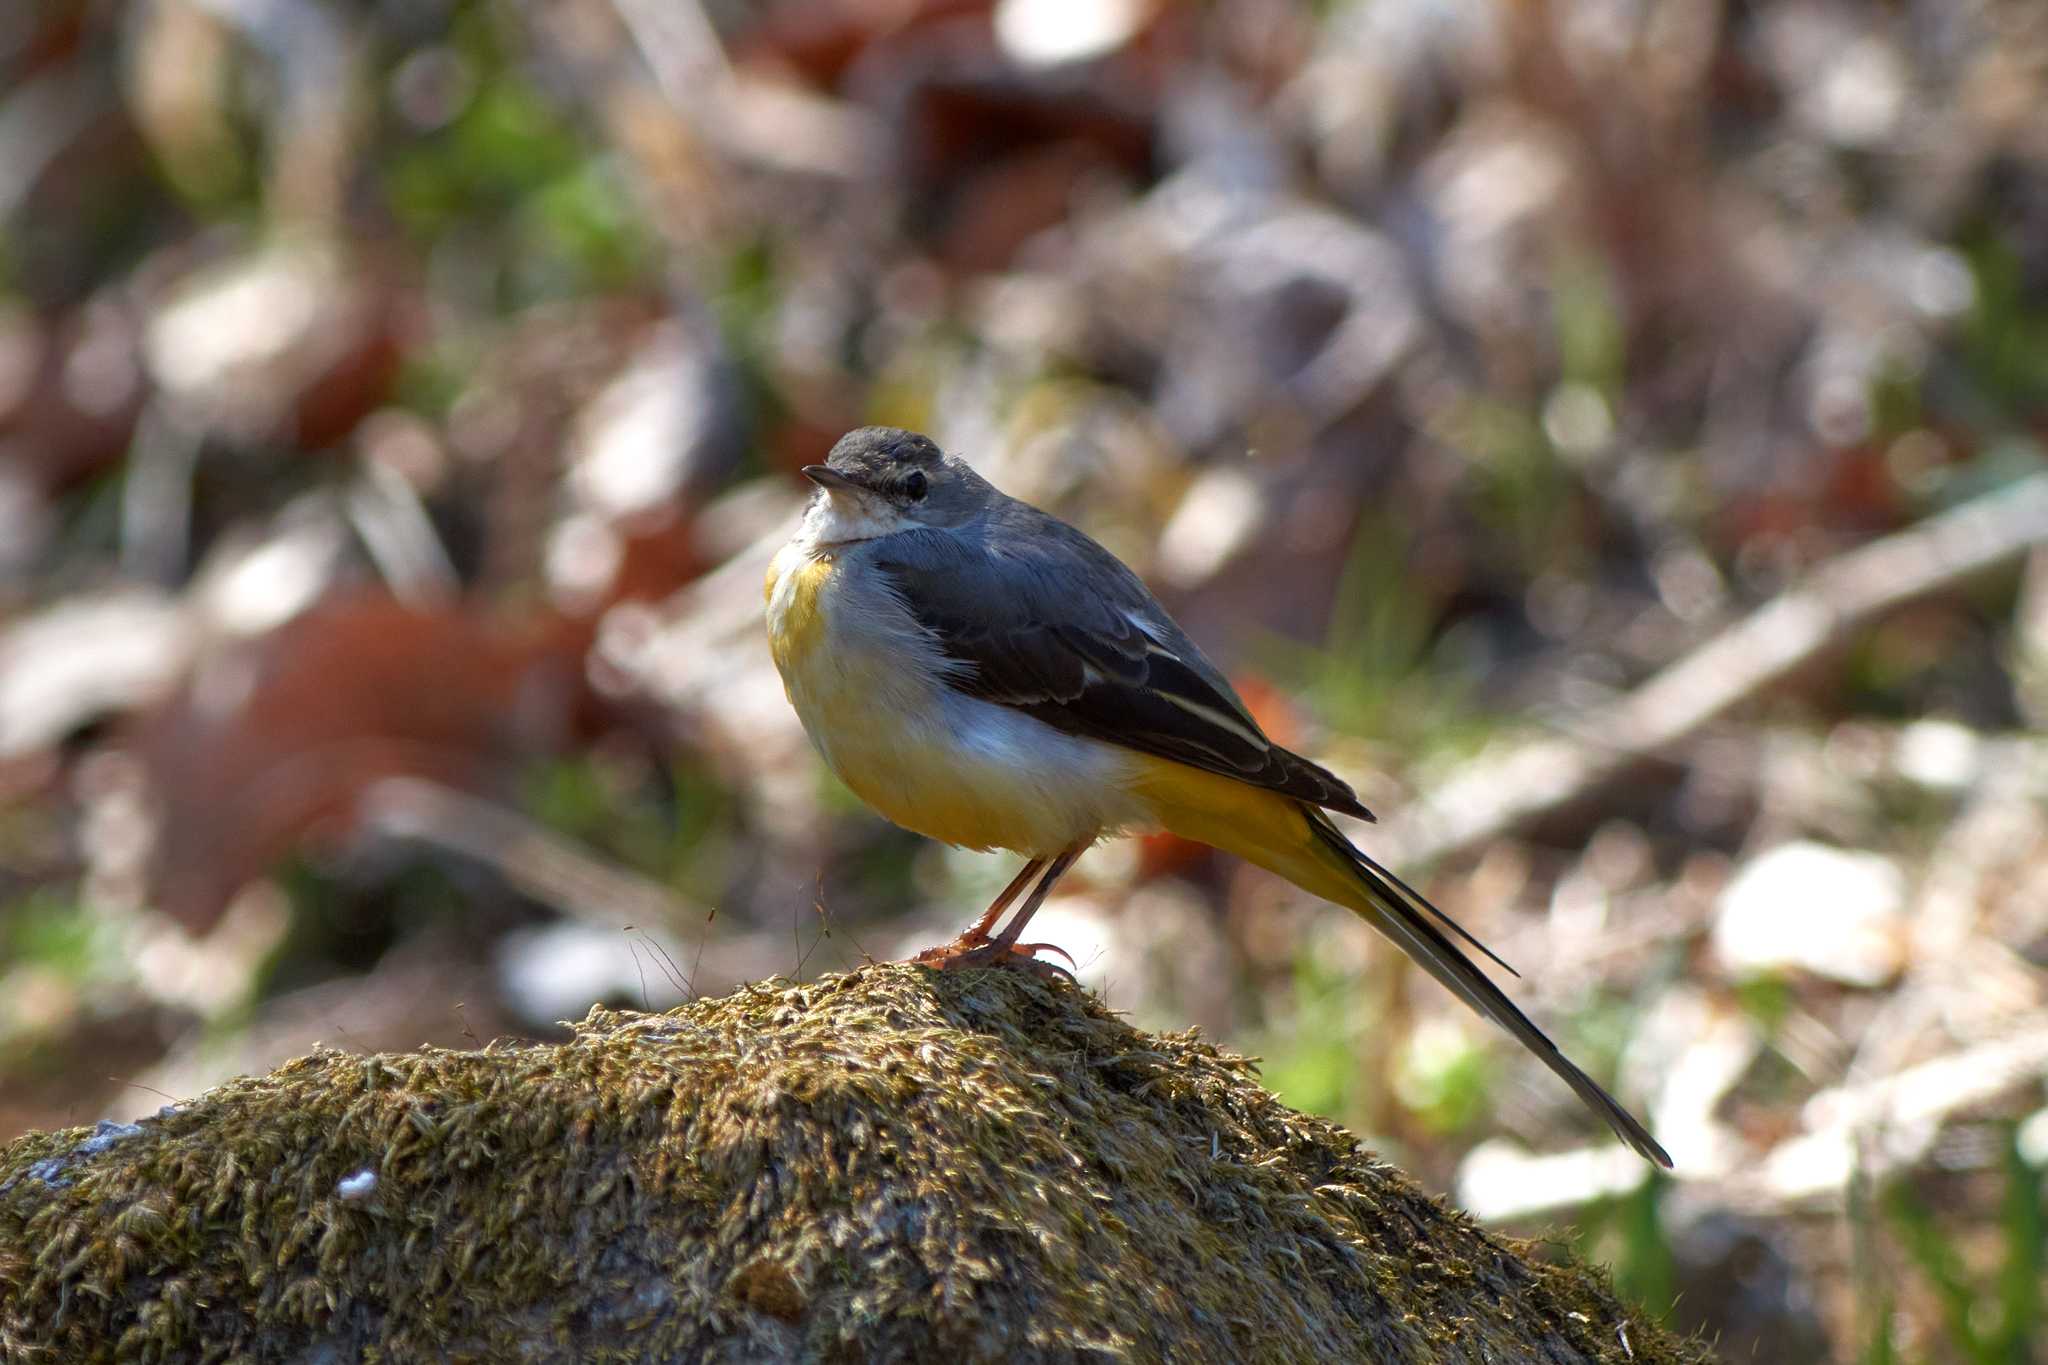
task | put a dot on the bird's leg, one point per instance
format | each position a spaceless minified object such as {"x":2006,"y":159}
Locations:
{"x":976,"y":935}
{"x":979,"y":929}
{"x":976,"y":949}
{"x":1015,"y":928}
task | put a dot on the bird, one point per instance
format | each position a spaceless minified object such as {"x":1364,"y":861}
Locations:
{"x":984,"y":674}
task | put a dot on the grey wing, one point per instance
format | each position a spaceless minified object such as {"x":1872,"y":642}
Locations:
{"x":1044,"y":620}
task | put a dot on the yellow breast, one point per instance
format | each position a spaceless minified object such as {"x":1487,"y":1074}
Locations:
{"x":837,"y":681}
{"x":796,"y":619}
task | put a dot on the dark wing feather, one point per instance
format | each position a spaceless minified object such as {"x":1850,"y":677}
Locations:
{"x":1028,"y":635}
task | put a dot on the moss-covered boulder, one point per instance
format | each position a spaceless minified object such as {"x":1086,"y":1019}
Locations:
{"x":893,"y":1164}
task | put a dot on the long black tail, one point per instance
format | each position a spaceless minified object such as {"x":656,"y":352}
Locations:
{"x":1404,"y":915}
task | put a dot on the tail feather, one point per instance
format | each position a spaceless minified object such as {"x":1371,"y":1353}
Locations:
{"x":1301,"y":844}
{"x":1380,"y":879}
{"x":1398,"y":911}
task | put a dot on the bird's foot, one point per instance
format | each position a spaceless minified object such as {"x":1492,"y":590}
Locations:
{"x":979,"y":950}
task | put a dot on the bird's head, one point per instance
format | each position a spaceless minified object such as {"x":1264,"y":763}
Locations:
{"x":881,"y":480}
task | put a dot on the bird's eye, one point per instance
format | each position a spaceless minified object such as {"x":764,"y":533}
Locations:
{"x":915,"y":485}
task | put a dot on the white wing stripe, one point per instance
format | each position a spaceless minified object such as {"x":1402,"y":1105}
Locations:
{"x":1218,"y":719}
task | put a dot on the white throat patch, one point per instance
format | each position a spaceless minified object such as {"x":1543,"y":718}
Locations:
{"x":849,"y":514}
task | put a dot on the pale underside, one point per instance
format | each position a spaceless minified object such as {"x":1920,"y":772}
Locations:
{"x":869,"y":687}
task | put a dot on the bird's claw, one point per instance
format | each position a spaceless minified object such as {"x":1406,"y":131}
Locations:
{"x":979,"y":950}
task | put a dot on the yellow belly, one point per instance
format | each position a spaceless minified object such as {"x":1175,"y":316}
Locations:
{"x":924,"y":789}
{"x":961,"y":771}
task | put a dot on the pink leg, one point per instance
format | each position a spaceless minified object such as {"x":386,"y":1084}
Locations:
{"x":976,"y":949}
{"x":979,"y":929}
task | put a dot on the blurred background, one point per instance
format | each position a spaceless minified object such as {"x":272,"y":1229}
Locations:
{"x":1610,"y":432}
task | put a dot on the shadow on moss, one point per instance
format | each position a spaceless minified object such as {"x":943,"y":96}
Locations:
{"x":886,"y":1165}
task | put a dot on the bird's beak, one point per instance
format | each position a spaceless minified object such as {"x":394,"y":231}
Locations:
{"x":828,"y":478}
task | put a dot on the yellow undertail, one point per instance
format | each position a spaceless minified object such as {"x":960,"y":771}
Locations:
{"x":1257,"y":825}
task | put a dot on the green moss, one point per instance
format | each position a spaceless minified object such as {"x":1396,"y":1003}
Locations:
{"x":888,"y":1165}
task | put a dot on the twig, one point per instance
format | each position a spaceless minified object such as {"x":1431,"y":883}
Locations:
{"x":681,"y":48}
{"x":1499,"y":794}
{"x":38,"y":120}
{"x":1855,"y":1131}
{"x":156,"y":499}
{"x":1902,"y":1112}
{"x":762,"y":123}
{"x":537,"y":861}
{"x":396,"y":530}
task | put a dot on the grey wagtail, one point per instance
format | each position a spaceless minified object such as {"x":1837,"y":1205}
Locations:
{"x":986,"y":675}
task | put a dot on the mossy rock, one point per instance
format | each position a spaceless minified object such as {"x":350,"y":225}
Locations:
{"x":893,"y":1164}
